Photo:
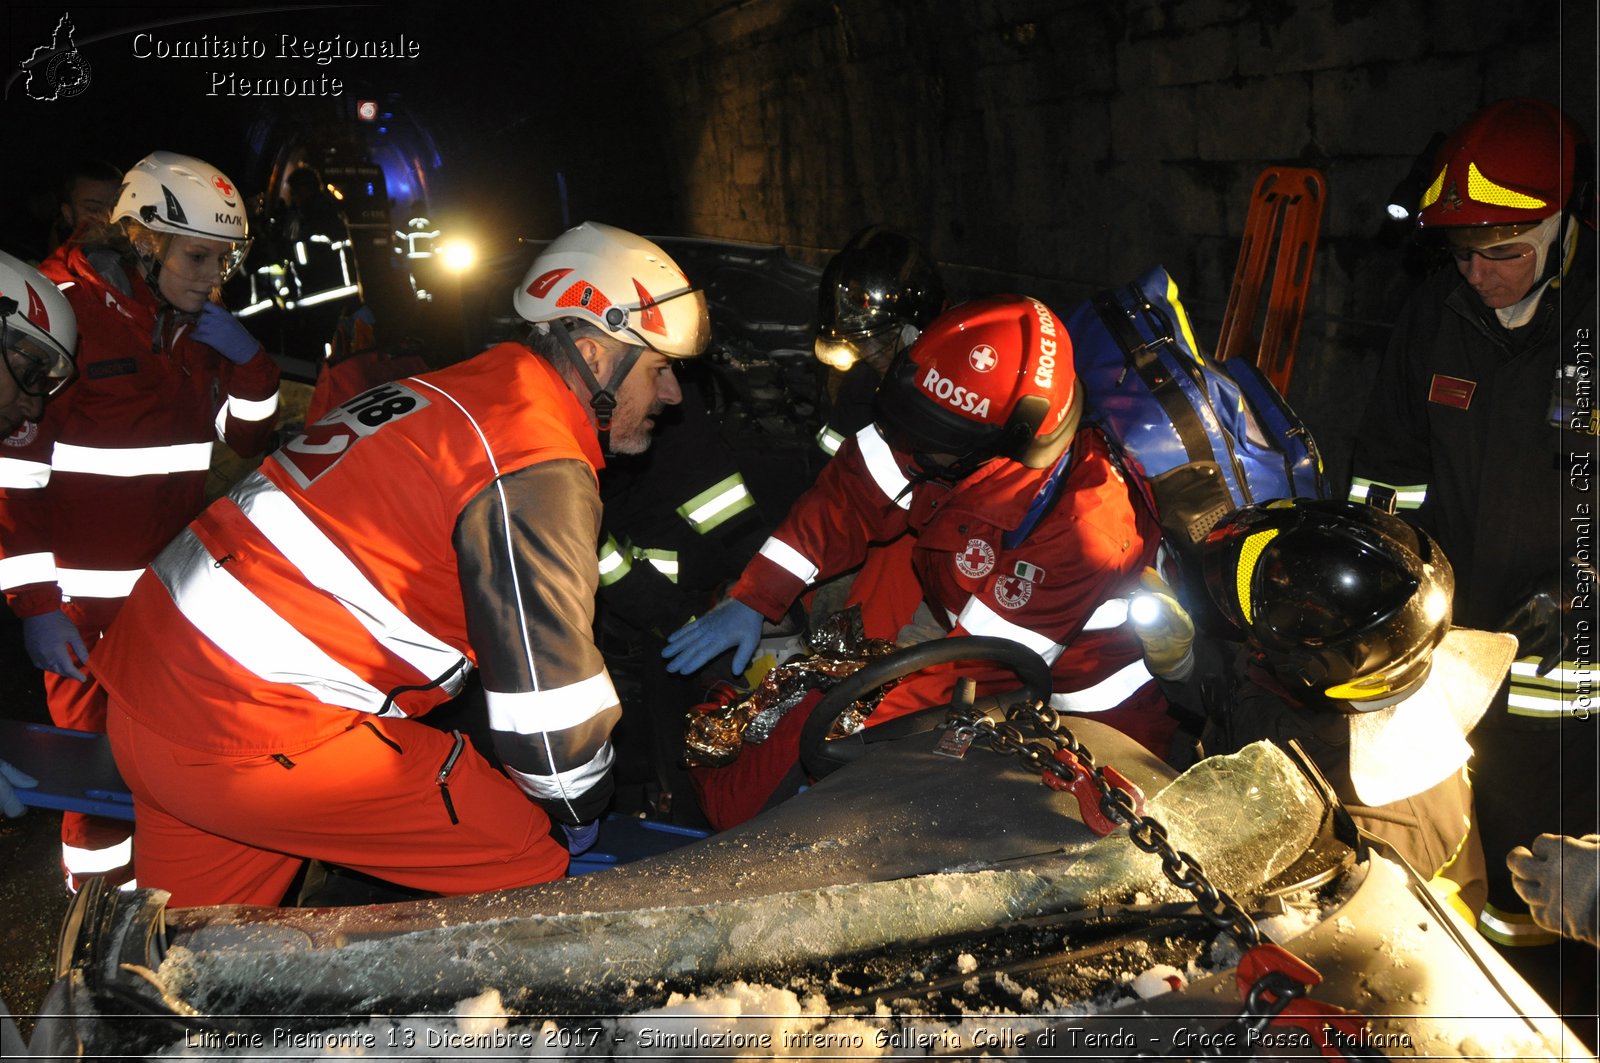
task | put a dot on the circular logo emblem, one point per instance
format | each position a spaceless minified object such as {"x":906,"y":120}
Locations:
{"x":26,"y":433}
{"x":976,"y":559}
{"x":68,"y":75}
{"x":367,"y":110}
{"x":1013,"y":592}
{"x":983,"y":358}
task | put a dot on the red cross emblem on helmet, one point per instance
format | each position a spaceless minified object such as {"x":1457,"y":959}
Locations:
{"x":220,"y":183}
{"x":983,"y":358}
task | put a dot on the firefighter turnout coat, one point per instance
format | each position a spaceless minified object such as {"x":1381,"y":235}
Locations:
{"x":424,"y":526}
{"x":1486,"y":436}
{"x":1038,"y":556}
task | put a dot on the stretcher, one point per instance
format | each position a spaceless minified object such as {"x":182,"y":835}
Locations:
{"x":74,"y":768}
{"x":76,"y":773}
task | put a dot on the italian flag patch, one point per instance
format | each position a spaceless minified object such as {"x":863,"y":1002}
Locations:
{"x":1031,"y":573}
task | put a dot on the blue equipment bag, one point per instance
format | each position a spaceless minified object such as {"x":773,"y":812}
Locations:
{"x":1202,"y":438}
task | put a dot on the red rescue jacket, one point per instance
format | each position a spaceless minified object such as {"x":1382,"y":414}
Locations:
{"x":117,"y":464}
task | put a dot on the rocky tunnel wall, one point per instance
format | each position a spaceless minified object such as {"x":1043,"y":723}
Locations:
{"x":1057,"y":146}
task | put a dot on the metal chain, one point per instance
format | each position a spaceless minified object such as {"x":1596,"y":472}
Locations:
{"x":1147,"y":833}
{"x":1271,"y":993}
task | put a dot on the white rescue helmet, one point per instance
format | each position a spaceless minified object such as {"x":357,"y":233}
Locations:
{"x":622,"y":284}
{"x":179,"y":195}
{"x":38,"y":327}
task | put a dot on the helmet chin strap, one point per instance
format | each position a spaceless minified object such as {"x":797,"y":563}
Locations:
{"x":603,"y":400}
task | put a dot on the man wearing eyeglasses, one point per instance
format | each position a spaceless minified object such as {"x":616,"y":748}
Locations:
{"x":38,"y":333}
{"x":1481,"y":428}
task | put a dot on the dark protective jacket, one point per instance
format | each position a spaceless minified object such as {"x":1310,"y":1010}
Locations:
{"x":677,"y":520}
{"x":1487,"y":437}
{"x":424,"y":526}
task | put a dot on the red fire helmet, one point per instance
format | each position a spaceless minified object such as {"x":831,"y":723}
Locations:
{"x":1512,"y":163}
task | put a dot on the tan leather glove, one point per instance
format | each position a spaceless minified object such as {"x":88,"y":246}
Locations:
{"x":1163,"y":627}
{"x":1560,"y":879}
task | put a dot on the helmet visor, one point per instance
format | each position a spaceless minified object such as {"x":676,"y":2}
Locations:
{"x":677,"y":324}
{"x":38,"y":367}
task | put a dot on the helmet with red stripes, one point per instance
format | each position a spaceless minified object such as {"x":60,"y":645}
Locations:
{"x":39,"y":329}
{"x":620,"y":283}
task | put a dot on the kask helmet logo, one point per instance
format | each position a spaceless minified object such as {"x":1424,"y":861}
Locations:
{"x":649,"y":313}
{"x":545,"y":281}
{"x":175,"y":212}
{"x":36,"y":311}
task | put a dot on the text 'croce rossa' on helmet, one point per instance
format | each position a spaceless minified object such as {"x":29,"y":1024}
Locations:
{"x":1509,"y":167}
{"x":875,"y":296}
{"x":38,"y":330}
{"x":1342,"y":599}
{"x":178,"y":195}
{"x":989,"y":378}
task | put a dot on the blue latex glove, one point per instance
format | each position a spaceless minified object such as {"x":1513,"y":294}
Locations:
{"x":581,"y":839}
{"x":731,"y":625}
{"x":10,"y":807}
{"x":53,"y":641}
{"x":222,"y":332}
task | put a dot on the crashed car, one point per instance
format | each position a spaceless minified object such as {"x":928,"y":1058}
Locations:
{"x":993,"y":882}
{"x":977,"y":879}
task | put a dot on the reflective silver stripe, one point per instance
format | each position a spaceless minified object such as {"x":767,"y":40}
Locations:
{"x":132,"y":461}
{"x":253,"y":409}
{"x":572,"y":781}
{"x":242,"y":626}
{"x":1106,"y":694}
{"x":532,"y":711}
{"x":23,"y":569}
{"x":885,"y":470}
{"x":789,"y":559}
{"x":97,"y":582}
{"x":322,"y":297}
{"x":723,"y":500}
{"x":1407,"y":496}
{"x":1111,"y":613}
{"x":1566,"y":673}
{"x":979,"y":619}
{"x":1567,"y":689}
{"x":327,"y":568}
{"x":16,"y":474}
{"x":663,"y":561}
{"x":830,"y":440}
{"x":96,"y":861}
{"x":557,"y":784}
{"x":1511,"y":928}
{"x":613,"y":563}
